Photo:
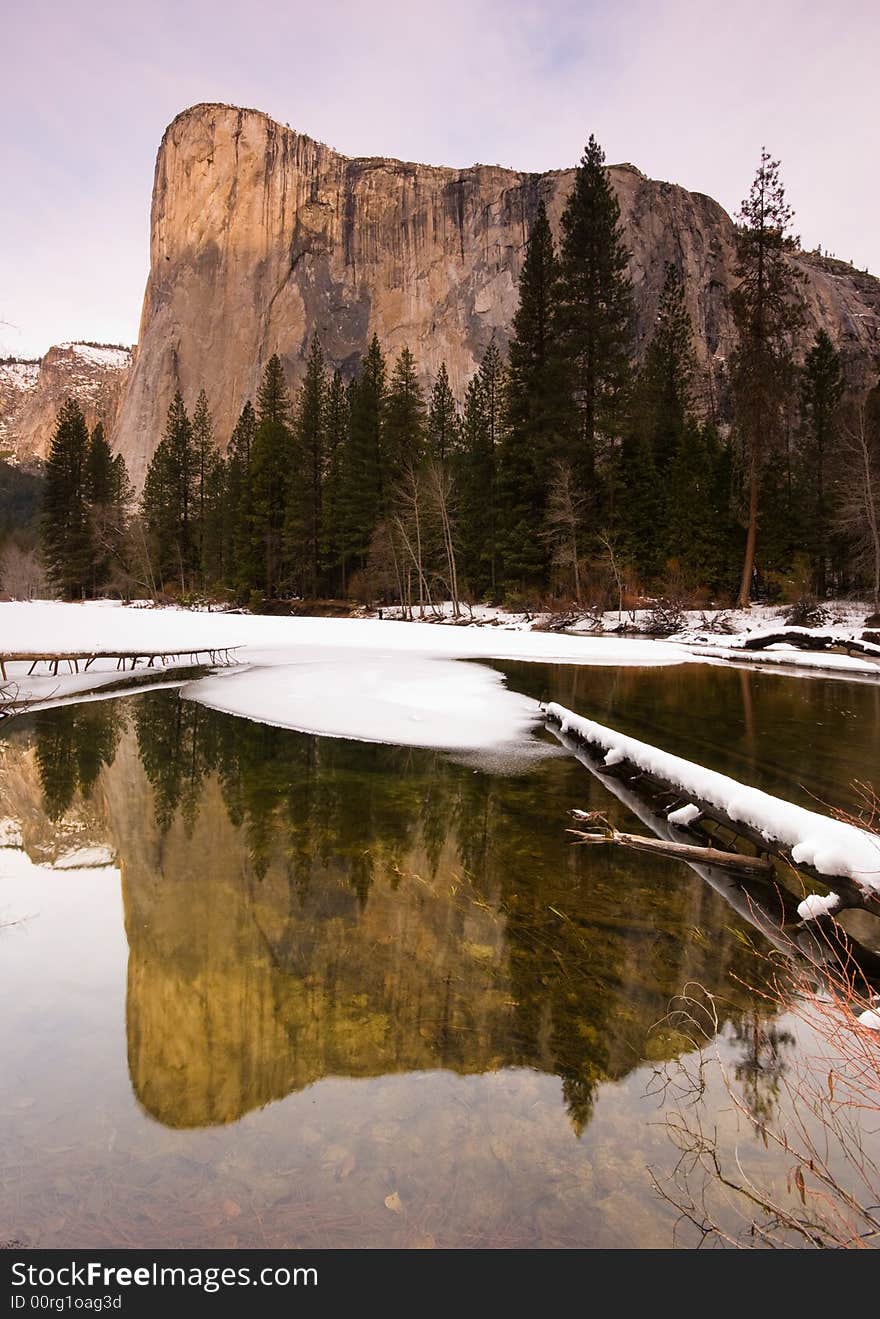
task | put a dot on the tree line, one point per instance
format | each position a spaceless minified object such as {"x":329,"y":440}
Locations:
{"x":568,"y":471}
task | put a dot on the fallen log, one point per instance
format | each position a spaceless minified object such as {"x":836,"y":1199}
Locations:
{"x":793,"y":834}
{"x":803,"y":640}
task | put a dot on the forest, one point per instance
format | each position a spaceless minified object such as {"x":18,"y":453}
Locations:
{"x":569,"y":473}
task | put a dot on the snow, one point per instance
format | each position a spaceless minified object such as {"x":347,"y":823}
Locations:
{"x":103,"y":357}
{"x":85,"y":858}
{"x":815,"y":905}
{"x":10,"y":833}
{"x":831,"y":847}
{"x":54,"y":628}
{"x":684,"y":815}
{"x":869,"y":1018}
{"x":381,"y":697}
{"x":19,"y":375}
{"x":790,"y":658}
{"x":371,"y":679}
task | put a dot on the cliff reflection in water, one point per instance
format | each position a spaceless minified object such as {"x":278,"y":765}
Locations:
{"x":299,"y":907}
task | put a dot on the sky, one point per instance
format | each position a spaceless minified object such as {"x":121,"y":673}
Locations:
{"x":687,"y":90}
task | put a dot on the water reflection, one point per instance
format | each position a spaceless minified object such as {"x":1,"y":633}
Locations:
{"x":298,"y":907}
{"x":455,"y":1006}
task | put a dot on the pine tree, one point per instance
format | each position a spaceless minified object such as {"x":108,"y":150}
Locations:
{"x":99,"y":473}
{"x":821,"y":394}
{"x":269,"y":480}
{"x":403,"y":430}
{"x":362,"y":490}
{"x":641,"y":505}
{"x":767,"y":312}
{"x":658,"y":426}
{"x":304,"y":511}
{"x":108,"y":498}
{"x":64,"y":527}
{"x":492,"y":382}
{"x":595,"y":308}
{"x":665,"y":388}
{"x":215,"y":510}
{"x":204,"y":453}
{"x":236,"y":520}
{"x":537,"y":412}
{"x":699,"y":532}
{"x":169,"y":500}
{"x":475,"y":480}
{"x":443,"y":422}
{"x":336,"y":437}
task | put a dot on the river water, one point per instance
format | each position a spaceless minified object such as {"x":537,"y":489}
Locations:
{"x":267,"y":989}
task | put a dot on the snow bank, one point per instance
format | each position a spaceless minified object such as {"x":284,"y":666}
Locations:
{"x":52,"y":628}
{"x":378,"y":697}
{"x":369,"y":679}
{"x":791,"y":658}
{"x":831,"y":847}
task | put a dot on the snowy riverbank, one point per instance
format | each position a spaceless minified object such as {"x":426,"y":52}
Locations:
{"x":373,"y":679}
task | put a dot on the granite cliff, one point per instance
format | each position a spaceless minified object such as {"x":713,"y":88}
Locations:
{"x":261,"y":236}
{"x":31,"y":392}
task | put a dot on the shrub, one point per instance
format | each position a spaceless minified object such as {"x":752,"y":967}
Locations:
{"x":807,"y":612}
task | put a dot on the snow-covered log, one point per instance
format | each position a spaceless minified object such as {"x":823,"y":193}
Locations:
{"x":840,"y":854}
{"x":760,"y":900}
{"x":803,"y":638}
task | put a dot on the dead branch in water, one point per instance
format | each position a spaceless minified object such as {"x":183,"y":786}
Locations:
{"x":683,"y":851}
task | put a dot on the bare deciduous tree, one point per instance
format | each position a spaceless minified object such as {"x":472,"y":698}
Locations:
{"x":440,"y":489}
{"x":22,"y":575}
{"x":816,"y":1110}
{"x":566,"y":506}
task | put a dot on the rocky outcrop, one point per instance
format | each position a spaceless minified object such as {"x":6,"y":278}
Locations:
{"x":261,"y":236}
{"x":32,"y":392}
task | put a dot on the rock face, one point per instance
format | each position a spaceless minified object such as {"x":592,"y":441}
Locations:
{"x":31,"y":394}
{"x":261,"y":236}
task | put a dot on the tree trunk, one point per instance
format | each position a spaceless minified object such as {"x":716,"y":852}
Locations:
{"x":745,"y":589}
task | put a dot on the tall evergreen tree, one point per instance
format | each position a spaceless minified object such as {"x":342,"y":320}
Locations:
{"x":640,"y":513}
{"x":215,"y":564}
{"x":304,"y":510}
{"x":169,"y":500}
{"x":362,"y":487}
{"x":699,"y":530}
{"x":767,"y":312}
{"x":658,"y":427}
{"x":665,"y":388}
{"x":336,"y":436}
{"x":108,"y":497}
{"x":100,"y":476}
{"x":537,"y":412}
{"x":443,"y":422}
{"x":403,"y":431}
{"x":269,"y":480}
{"x":492,"y":380}
{"x":477,"y":473}
{"x":821,"y":394}
{"x":65,"y":523}
{"x":236,"y":553}
{"x":204,"y":453}
{"x":595,"y":308}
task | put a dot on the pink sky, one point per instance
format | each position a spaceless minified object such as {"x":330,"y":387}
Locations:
{"x":688,"y":91}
